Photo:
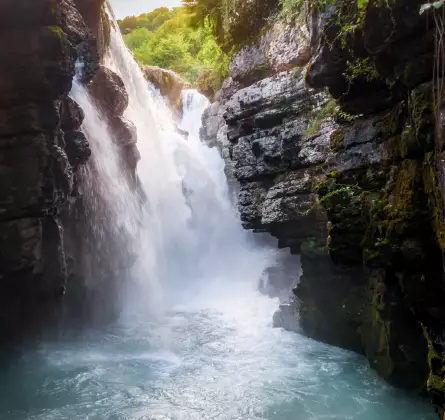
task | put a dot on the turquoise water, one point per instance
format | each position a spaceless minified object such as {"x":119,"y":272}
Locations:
{"x":214,"y":360}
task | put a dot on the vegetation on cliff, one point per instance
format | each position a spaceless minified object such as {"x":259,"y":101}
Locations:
{"x":169,"y":39}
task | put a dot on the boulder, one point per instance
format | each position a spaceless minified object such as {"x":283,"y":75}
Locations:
{"x":108,"y":90}
{"x":169,"y":83}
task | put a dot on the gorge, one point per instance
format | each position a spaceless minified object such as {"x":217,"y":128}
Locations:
{"x":133,"y":288}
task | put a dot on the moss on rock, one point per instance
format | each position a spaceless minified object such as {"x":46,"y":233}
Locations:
{"x":435,"y":201}
{"x":422,"y":115}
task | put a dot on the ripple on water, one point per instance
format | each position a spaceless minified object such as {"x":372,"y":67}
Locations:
{"x":200,"y":365}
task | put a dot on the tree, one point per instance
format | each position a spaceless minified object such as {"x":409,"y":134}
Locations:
{"x":176,"y":44}
{"x":234,"y":23}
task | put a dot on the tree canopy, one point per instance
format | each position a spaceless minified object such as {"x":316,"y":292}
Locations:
{"x":233,"y":22}
{"x":170,"y":39}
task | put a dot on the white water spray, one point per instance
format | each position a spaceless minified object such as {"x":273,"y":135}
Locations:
{"x":113,"y":214}
{"x":201,"y":247}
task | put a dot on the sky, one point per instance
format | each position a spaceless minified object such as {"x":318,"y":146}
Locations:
{"x":123,"y":8}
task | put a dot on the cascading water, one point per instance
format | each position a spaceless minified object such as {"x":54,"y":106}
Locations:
{"x":189,"y":216}
{"x":214,"y":354}
{"x":111,"y":205}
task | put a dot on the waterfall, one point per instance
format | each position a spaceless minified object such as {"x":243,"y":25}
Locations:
{"x":112,"y":214}
{"x":189,"y":217}
{"x":185,"y":236}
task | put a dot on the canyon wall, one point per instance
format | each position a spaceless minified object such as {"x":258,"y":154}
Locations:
{"x":330,"y":134}
{"x":42,"y":153}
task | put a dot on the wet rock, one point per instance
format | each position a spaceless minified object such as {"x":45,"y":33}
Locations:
{"x":108,"y":90}
{"x":97,"y":20}
{"x":72,"y":115}
{"x":131,"y":156}
{"x":77,"y":148}
{"x":169,"y":83}
{"x":277,"y":280}
{"x":287,"y":317}
{"x":29,"y":117}
{"x":124,"y":131}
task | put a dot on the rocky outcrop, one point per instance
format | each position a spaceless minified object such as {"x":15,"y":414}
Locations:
{"x":169,"y":83}
{"x":381,"y":193}
{"x":97,"y":20}
{"x":47,"y":244}
{"x":108,"y":91}
{"x":283,"y":47}
{"x":41,"y":149}
{"x":349,"y":181}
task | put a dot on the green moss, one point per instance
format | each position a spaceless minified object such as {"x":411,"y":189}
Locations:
{"x":400,"y":202}
{"x":390,"y":214}
{"x":399,"y":145}
{"x":435,"y":201}
{"x":327,"y":111}
{"x":337,"y":138}
{"x":106,"y":31}
{"x":343,"y":203}
{"x":57,"y":30}
{"x":422,"y":114}
{"x":340,"y":197}
{"x":374,"y":329}
{"x":333,"y":174}
{"x":435,"y":382}
{"x":52,"y":7}
{"x":323,"y":185}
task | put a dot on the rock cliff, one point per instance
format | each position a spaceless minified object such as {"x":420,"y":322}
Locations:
{"x":42,"y":150}
{"x":335,"y":155}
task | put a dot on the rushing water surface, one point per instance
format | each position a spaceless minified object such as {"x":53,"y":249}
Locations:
{"x":211,"y":358}
{"x":195,"y":341}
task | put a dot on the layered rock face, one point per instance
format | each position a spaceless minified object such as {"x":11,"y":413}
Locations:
{"x":381,"y":193}
{"x":354,"y":189}
{"x":42,"y":150}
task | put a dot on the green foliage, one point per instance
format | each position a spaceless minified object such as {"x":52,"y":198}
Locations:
{"x":234,"y":23}
{"x":347,"y":190}
{"x":150,"y":21}
{"x":168,"y":39}
{"x":57,"y":31}
{"x":328,"y":110}
{"x":342,"y":115}
{"x":291,"y":9}
{"x":361,"y":67}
